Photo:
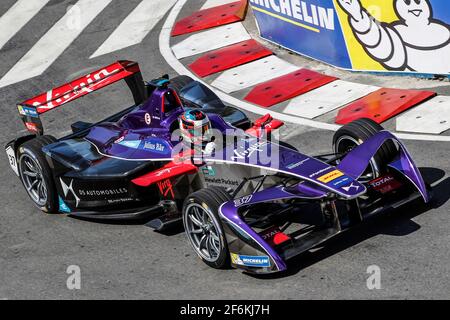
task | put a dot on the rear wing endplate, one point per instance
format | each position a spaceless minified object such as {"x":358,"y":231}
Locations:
{"x":31,"y":109}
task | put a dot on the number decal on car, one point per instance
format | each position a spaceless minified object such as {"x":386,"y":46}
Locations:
{"x":12,"y":159}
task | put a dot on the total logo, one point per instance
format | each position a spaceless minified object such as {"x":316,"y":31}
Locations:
{"x":382,"y":181}
{"x":385,"y":184}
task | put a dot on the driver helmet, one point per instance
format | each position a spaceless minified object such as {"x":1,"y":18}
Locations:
{"x":195,"y":127}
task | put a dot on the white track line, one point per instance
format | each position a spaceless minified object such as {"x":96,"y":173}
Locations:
{"x":215,"y":3}
{"x":55,"y":41}
{"x":136,"y":26}
{"x":432,"y":116}
{"x":252,"y":73}
{"x":17,"y":16}
{"x":166,"y":52}
{"x":211,"y":39}
{"x":327,"y":98}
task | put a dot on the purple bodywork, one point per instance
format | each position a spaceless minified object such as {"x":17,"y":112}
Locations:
{"x":132,"y":137}
{"x":352,"y":165}
{"x":128,"y":138}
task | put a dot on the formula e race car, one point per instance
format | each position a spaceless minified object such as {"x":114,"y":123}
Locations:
{"x":252,"y":202}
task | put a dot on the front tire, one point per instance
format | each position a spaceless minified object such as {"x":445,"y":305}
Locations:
{"x":36,"y":175}
{"x":355,"y":133}
{"x":203,"y":227}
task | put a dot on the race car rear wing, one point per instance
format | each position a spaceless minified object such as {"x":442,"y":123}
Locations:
{"x":31,"y":109}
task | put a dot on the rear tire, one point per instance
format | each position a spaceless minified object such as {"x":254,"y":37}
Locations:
{"x":203,"y":227}
{"x":355,"y":133}
{"x":36,"y":175}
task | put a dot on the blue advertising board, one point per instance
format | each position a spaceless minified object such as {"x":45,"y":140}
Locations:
{"x":364,"y":35}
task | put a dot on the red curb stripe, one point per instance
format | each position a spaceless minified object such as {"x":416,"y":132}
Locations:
{"x":286,"y":87}
{"x":229,"y":57}
{"x":210,"y":18}
{"x":382,"y":105}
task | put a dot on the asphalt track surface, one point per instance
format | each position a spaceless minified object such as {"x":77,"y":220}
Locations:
{"x":123,"y":261}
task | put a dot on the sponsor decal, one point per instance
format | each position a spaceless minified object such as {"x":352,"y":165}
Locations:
{"x":31,"y":126}
{"x":350,"y":187}
{"x":148,"y":118}
{"x":121,"y":200}
{"x":246,"y":153}
{"x":385,"y":184}
{"x":250,"y":261}
{"x":315,"y":174}
{"x":152,"y":145}
{"x":157,"y":147}
{"x":66,"y":188}
{"x":166,"y":188}
{"x":69,"y":92}
{"x":241,"y":201}
{"x":274,"y":236}
{"x":310,"y":16}
{"x":209,"y":171}
{"x":134,"y":144}
{"x":105,"y":192}
{"x":63,"y":206}
{"x":120,"y":139}
{"x":330,"y":176}
{"x":222,"y":181}
{"x":12,"y":159}
{"x":27,"y":111}
{"x":344,"y":180}
{"x":20,"y":108}
{"x":296,"y":164}
{"x":70,"y":189}
{"x":163,"y":172}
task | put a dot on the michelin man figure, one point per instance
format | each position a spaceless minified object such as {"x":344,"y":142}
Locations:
{"x":416,"y":42}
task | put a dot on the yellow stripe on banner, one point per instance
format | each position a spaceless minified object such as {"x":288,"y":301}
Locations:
{"x":286,"y":19}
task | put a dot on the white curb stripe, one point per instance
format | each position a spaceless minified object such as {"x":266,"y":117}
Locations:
{"x":55,"y":41}
{"x":17,"y":16}
{"x":432,"y":116}
{"x":327,"y":98}
{"x":215,"y":3}
{"x":177,"y":66}
{"x":211,"y":39}
{"x":252,"y":73}
{"x":136,"y":26}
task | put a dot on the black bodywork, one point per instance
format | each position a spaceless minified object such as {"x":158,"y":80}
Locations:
{"x":91,"y":185}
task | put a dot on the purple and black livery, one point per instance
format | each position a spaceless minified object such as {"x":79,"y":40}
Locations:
{"x":253,"y":202}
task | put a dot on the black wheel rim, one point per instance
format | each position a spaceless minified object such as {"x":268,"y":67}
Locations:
{"x":203,"y":232}
{"x":33,"y":180}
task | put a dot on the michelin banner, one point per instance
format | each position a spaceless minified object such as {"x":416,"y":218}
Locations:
{"x":363,"y":35}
